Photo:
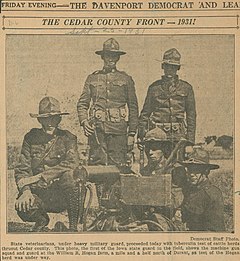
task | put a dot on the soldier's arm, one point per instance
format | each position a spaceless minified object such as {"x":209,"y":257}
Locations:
{"x":191,"y":115}
{"x":214,"y":212}
{"x":70,"y":162}
{"x":84,"y":102}
{"x":145,"y":114}
{"x":23,"y":168}
{"x":132,"y":107}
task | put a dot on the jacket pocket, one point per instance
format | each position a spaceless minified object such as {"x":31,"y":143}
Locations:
{"x":97,"y":89}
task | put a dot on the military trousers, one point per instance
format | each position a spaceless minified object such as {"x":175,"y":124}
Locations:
{"x":53,"y":199}
{"x":107,"y":149}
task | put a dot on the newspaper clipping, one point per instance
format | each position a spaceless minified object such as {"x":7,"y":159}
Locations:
{"x":118,"y":130}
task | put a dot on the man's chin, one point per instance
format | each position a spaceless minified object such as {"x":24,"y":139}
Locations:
{"x":193,"y":183}
{"x":153,"y":160}
{"x":50,"y":131}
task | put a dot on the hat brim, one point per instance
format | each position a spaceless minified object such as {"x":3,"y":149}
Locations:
{"x":200,"y":165}
{"x":167,"y":62}
{"x":158,"y":141}
{"x":45,"y":115}
{"x":171,"y":63}
{"x":110,"y":51}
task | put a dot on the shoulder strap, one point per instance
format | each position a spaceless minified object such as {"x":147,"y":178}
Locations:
{"x":47,"y":152}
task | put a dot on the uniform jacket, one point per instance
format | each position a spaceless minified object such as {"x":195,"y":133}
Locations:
{"x":203,"y":208}
{"x":107,"y":91}
{"x":170,"y":101}
{"x":155,"y":169}
{"x":50,"y":155}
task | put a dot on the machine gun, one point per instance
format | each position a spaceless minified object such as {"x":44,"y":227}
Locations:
{"x":126,"y":195}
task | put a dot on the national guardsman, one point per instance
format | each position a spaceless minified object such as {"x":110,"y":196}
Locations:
{"x":108,"y":110}
{"x":203,"y":205}
{"x":48,"y":165}
{"x":170,"y":103}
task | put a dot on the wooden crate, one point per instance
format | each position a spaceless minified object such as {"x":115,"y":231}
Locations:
{"x":151,"y":191}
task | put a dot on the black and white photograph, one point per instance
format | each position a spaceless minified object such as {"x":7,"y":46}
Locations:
{"x":120,"y":133}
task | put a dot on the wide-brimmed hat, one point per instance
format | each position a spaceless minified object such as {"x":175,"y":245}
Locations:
{"x":156,"y":135}
{"x":48,"y":106}
{"x":199,"y":158}
{"x":111,"y":46}
{"x":172,"y":56}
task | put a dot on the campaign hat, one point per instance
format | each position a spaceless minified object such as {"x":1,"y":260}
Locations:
{"x":199,"y":158}
{"x":172,"y":57}
{"x":48,"y":106}
{"x":111,"y":46}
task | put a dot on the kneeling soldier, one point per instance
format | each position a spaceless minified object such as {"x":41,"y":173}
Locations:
{"x":202,"y":208}
{"x":157,"y":148}
{"x":162,"y":159}
{"x":45,"y":173}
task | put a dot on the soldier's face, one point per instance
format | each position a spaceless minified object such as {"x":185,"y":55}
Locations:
{"x":110,"y":60}
{"x":155,"y":154}
{"x":49,"y":124}
{"x":195,"y":176}
{"x":170,"y":70}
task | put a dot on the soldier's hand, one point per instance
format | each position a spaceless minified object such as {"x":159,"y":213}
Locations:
{"x":88,"y":129}
{"x":25,"y":201}
{"x":130,"y":143}
{"x":140,"y":144}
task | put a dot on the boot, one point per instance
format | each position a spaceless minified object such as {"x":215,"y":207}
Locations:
{"x":42,"y":221}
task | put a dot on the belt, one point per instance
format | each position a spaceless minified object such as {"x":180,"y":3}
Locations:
{"x":110,"y":114}
{"x":167,"y":126}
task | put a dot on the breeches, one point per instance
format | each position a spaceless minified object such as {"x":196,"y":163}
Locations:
{"x":107,"y":148}
{"x":53,"y":199}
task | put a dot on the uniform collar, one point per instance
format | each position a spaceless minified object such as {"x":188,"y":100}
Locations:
{"x":202,"y":185}
{"x":104,"y":70}
{"x":158,"y":167}
{"x":165,"y":78}
{"x":57,"y":132}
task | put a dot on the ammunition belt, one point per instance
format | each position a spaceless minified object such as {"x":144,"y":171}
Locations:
{"x":169,"y":126}
{"x":110,"y":114}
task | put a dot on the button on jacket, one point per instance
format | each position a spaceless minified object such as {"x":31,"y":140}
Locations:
{"x":50,"y":155}
{"x":203,"y":208}
{"x":110,"y":92}
{"x":170,"y":101}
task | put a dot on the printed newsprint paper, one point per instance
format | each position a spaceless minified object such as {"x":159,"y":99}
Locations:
{"x":119,"y":130}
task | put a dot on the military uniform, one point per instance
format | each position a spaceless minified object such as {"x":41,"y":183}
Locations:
{"x":170,"y":105}
{"x":111,"y":93}
{"x":203,"y":208}
{"x":166,"y":106}
{"x":53,"y":157}
{"x":156,"y":169}
{"x":50,"y":155}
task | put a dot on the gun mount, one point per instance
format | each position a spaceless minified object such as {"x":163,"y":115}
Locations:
{"x":130,"y":202}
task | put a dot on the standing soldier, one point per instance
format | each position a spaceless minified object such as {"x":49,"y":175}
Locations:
{"x":170,"y":103}
{"x":45,"y":175}
{"x":109,"y":91}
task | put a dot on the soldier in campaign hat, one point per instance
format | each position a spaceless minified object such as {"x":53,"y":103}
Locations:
{"x":202,"y":207}
{"x":45,"y":172}
{"x":158,"y":148}
{"x":102,"y":109}
{"x":170,"y":103}
{"x":163,"y":160}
